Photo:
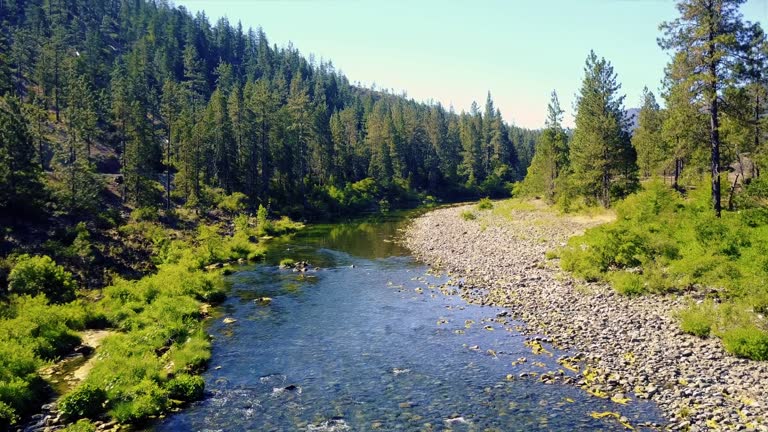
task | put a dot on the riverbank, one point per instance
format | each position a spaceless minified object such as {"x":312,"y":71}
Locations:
{"x":631,"y":346}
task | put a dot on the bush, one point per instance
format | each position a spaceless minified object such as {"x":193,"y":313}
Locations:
{"x":747,"y":342}
{"x":262,"y":223}
{"x":234,"y":203}
{"x":145,"y":214}
{"x":8,"y":416}
{"x":144,"y":400}
{"x":467,"y":215}
{"x":82,"y":425}
{"x":696,"y":320}
{"x":287,"y":263}
{"x":626,"y":283}
{"x":485,"y":204}
{"x":34,"y":275}
{"x":86,"y":400}
{"x":185,"y":387}
{"x":670,"y":243}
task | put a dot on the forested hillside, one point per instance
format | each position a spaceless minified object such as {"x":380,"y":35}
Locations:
{"x":178,"y":112}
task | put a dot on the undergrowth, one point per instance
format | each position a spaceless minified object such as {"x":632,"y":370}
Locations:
{"x":150,"y":364}
{"x":663,"y":242}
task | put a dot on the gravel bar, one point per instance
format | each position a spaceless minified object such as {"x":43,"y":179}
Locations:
{"x":630,"y":346}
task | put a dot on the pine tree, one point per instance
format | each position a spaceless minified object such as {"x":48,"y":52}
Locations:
{"x":22,"y":189}
{"x":170,"y":105}
{"x":79,"y":185}
{"x":262,"y":104}
{"x":470,"y":132}
{"x":379,"y":136}
{"x":37,"y":116}
{"x":301,"y":131}
{"x":551,"y":160}
{"x":646,"y":139}
{"x":602,"y":158}
{"x":223,"y":154}
{"x":707,"y":32}
{"x":685,"y":125}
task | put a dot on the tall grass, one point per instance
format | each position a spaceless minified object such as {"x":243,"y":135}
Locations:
{"x":663,"y":242}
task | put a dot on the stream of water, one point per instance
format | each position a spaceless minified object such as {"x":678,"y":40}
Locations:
{"x":367,"y":340}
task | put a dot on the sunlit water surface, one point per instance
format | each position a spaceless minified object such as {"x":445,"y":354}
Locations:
{"x":369,"y":341}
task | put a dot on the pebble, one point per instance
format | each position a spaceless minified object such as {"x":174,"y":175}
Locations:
{"x":635,"y":343}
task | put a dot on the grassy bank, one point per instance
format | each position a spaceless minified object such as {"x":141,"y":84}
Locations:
{"x":151,"y":363}
{"x":665,"y":242}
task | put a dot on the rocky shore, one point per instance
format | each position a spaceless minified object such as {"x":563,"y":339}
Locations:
{"x":630,"y":346}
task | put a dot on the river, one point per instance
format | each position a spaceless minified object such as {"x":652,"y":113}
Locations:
{"x":369,"y":339}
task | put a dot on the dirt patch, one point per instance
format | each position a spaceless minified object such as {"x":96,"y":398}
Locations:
{"x":93,"y":339}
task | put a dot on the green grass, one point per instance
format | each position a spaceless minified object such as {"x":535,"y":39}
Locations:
{"x":467,"y":215}
{"x":150,"y":364}
{"x":485,"y":204}
{"x":663,"y":242}
{"x":697,"y":320}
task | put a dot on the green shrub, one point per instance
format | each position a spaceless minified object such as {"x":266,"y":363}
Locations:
{"x":626,"y":283}
{"x":287,"y":262}
{"x":34,"y":275}
{"x":748,"y":342}
{"x":283,"y":226}
{"x":262,"y":223}
{"x":234,"y":203}
{"x":86,"y":400}
{"x":467,"y":215}
{"x":8,"y":416}
{"x":82,"y":425}
{"x":145,"y":214}
{"x":185,"y":387}
{"x":697,"y":320}
{"x":144,"y":400}
{"x":485,"y":204}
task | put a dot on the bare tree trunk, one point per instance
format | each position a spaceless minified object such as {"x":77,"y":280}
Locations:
{"x":733,"y":190}
{"x":168,"y":171}
{"x":714,"y":125}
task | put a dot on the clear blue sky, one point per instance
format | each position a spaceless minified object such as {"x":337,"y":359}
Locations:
{"x":456,"y":51}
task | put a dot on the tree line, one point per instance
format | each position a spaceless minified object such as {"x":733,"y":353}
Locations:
{"x":716,"y":93}
{"x":182,"y":112}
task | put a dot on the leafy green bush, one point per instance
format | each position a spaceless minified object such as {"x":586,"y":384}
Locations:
{"x":8,"y":416}
{"x":485,"y":204}
{"x":142,"y":401}
{"x":467,"y":215}
{"x":696,"y":320}
{"x":86,"y":400}
{"x":626,"y":283}
{"x":34,"y":275}
{"x":145,"y":214}
{"x":234,"y":203}
{"x":748,"y":342}
{"x":262,"y":223}
{"x":287,"y":262}
{"x":283,"y":226}
{"x":185,"y":387}
{"x":82,"y":425}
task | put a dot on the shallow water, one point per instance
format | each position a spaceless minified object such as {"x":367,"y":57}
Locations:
{"x":369,"y":341}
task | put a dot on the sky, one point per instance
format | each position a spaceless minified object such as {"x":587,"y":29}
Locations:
{"x":455,"y":51}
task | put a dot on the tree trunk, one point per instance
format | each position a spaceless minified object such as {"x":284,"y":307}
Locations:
{"x":678,"y":168}
{"x":714,"y":126}
{"x":168,"y":172}
{"x":733,"y":191}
